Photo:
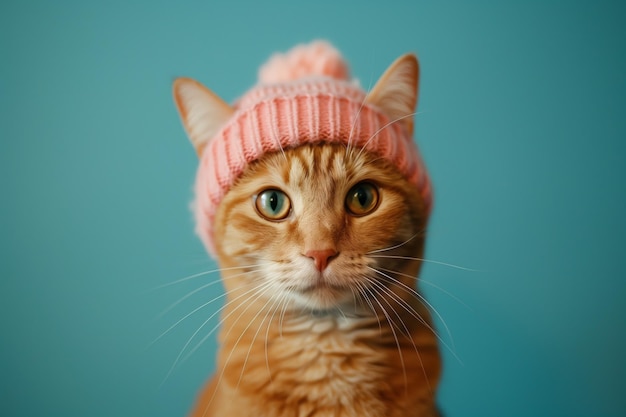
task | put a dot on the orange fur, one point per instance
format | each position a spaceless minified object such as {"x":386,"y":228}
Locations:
{"x":353,"y":340}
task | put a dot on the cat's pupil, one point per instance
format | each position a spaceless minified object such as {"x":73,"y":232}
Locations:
{"x":274,"y":201}
{"x":362,"y":197}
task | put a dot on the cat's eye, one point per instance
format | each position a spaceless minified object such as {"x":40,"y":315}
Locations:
{"x":272,"y":204}
{"x":362,"y":199}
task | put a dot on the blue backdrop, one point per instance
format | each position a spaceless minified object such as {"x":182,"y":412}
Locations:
{"x":522,"y":126}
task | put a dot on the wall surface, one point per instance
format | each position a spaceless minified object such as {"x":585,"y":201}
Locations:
{"x":521,"y":124}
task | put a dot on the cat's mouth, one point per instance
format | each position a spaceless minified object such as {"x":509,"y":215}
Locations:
{"x":320,"y":282}
{"x":321,"y":285}
{"x":323,"y":293}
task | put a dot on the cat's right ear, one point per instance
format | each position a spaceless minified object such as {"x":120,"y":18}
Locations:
{"x":202,"y":112}
{"x":395,"y":93}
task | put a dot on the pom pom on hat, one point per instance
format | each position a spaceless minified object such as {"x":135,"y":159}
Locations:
{"x":318,"y":58}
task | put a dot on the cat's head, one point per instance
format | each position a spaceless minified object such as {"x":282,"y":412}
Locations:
{"x":312,"y":186}
{"x":323,"y":224}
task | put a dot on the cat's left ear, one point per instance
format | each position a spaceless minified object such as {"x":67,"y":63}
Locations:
{"x":395,"y":93}
{"x":203,"y":113}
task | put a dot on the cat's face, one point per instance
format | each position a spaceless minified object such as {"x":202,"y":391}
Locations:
{"x":322,"y":226}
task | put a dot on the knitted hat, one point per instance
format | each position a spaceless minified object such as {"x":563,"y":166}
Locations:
{"x":303,"y":97}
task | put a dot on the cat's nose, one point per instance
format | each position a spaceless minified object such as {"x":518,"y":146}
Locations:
{"x":321,"y":257}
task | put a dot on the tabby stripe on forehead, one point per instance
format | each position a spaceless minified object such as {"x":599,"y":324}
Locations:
{"x":285,"y":172}
{"x":328,"y":166}
{"x":330,"y":173}
{"x":307,"y":161}
{"x":318,"y":157}
{"x":328,"y":169}
{"x":305,"y":158}
{"x":313,"y":156}
{"x":297,"y":160}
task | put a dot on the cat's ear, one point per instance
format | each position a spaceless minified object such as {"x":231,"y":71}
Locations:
{"x":395,"y":93}
{"x":203,"y":113}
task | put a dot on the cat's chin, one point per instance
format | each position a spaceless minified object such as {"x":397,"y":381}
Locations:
{"x":324,"y":297}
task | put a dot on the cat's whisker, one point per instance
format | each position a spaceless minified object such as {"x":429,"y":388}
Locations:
{"x":282,"y":299}
{"x":185,"y":317}
{"x":394,"y":246}
{"x":423,"y":300}
{"x":259,"y":292}
{"x":187,"y":278}
{"x":406,"y":306}
{"x":420,"y":297}
{"x":406,"y":332}
{"x":354,"y":301}
{"x":177,"y":360}
{"x":200,"y":274}
{"x":362,"y":290}
{"x":412,"y":258}
{"x":188,"y":315}
{"x":364,"y":147}
{"x":256,"y":334}
{"x":282,"y":316}
{"x":268,"y":286}
{"x":189,"y":294}
{"x":340,"y":311}
{"x":382,"y":289}
{"x":395,"y":336}
{"x":429,"y":283}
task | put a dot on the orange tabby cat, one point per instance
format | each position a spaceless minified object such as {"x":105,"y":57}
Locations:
{"x":319,"y":245}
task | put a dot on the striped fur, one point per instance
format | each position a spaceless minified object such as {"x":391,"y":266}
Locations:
{"x":353,"y":340}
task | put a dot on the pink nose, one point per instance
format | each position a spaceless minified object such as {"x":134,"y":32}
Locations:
{"x":321,"y":257}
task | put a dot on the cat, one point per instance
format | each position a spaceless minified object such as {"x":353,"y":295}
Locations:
{"x":313,"y":199}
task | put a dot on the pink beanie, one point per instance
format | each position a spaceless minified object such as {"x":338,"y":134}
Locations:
{"x":302,"y":97}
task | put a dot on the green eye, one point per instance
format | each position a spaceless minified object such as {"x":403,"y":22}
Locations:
{"x":362,"y":199}
{"x":273,"y":204}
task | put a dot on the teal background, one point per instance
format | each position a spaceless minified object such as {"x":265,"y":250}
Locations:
{"x":522,"y":126}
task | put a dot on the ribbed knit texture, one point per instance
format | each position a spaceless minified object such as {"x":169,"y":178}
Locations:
{"x":283,"y":115}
